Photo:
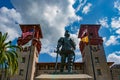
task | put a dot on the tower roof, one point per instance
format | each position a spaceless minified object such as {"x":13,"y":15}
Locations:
{"x":36,"y":27}
{"x":88,"y":27}
{"x":30,"y":33}
{"x":116,"y":66}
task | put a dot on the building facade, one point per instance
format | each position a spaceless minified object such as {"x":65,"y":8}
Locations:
{"x":93,"y":63}
{"x":115,"y":72}
{"x":93,"y":53}
{"x":28,"y":56}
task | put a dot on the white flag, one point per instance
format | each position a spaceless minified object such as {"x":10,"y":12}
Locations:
{"x":27,"y":44}
{"x":84,"y":32}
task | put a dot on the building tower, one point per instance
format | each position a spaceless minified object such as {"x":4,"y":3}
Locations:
{"x":93,"y":55}
{"x":31,"y":46}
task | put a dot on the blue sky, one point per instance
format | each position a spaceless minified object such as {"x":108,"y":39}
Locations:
{"x":55,"y":16}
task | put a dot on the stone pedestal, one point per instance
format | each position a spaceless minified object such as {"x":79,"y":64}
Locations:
{"x":63,"y":76}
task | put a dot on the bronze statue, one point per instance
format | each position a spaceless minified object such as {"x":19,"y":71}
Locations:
{"x":66,"y":47}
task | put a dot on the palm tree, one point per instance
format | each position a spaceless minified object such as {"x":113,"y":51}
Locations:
{"x":8,"y":56}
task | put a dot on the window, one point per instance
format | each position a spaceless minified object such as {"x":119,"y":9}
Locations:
{"x":25,"y":49}
{"x":98,"y":47}
{"x":94,"y":49}
{"x":21,"y":72}
{"x":42,"y":67}
{"x":91,"y":34}
{"x":23,"y":60}
{"x":96,"y":60}
{"x":99,"y":72}
{"x":77,"y":67}
{"x":51,"y":67}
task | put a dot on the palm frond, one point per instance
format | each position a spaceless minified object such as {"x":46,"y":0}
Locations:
{"x":8,"y":55}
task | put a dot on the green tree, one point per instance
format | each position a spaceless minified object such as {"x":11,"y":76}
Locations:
{"x":8,"y":56}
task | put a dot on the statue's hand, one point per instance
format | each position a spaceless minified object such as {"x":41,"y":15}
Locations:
{"x":56,"y":50}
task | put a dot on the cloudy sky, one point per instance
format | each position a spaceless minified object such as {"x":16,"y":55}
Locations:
{"x":55,"y":16}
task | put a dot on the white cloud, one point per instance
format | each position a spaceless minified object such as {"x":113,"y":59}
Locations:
{"x":78,"y":57}
{"x":86,"y":9}
{"x":103,"y":22}
{"x":8,"y":18}
{"x":78,"y":60}
{"x":81,"y":4}
{"x":117,"y":5}
{"x":104,"y":39}
{"x":114,"y":57}
{"x":75,"y":38}
{"x":52,"y":15}
{"x":118,"y":31}
{"x":112,"y":41}
{"x":115,"y":23}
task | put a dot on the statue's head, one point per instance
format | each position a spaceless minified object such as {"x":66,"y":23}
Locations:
{"x":67,"y":34}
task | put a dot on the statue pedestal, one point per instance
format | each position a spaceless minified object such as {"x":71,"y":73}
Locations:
{"x":63,"y":76}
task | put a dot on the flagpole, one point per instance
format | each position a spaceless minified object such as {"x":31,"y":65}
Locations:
{"x":30,"y":54}
{"x":93,"y":68}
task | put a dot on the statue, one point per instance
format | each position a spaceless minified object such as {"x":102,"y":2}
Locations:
{"x":66,"y":47}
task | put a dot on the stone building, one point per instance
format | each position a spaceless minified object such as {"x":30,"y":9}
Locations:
{"x":93,"y":66}
{"x":93,"y":53}
{"x":115,"y":72}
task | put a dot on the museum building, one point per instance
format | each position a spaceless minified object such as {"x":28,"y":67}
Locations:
{"x":94,"y":65}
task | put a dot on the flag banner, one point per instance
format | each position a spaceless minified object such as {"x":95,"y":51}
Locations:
{"x":85,"y":39}
{"x":84,"y":33}
{"x":30,"y":32}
